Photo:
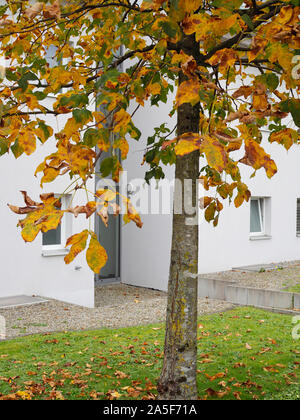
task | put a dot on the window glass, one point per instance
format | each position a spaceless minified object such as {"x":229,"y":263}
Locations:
{"x":52,"y":237}
{"x":255,"y":217}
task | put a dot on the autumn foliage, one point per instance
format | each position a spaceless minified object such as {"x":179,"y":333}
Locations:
{"x":112,"y":57}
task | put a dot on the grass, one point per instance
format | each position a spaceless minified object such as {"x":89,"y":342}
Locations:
{"x":243,"y":354}
{"x":294,"y":289}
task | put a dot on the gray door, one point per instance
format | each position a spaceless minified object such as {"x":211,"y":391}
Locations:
{"x":109,"y":237}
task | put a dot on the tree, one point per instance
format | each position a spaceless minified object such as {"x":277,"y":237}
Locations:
{"x":204,"y":48}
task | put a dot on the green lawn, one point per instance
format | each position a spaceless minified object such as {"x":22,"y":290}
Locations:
{"x":294,"y":289}
{"x":243,"y":354}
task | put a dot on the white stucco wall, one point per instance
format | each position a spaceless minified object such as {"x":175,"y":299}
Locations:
{"x":229,"y":244}
{"x":146,"y":253}
{"x":23,"y":268}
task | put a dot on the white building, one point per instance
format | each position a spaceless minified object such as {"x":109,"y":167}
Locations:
{"x":141,"y":256}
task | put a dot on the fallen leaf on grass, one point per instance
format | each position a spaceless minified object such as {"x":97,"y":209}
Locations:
{"x":120,"y":375}
{"x":217,"y":376}
{"x":212,"y":393}
{"x":237,"y":395}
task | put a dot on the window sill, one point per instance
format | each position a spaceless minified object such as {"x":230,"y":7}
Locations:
{"x":55,"y":252}
{"x":260,"y":238}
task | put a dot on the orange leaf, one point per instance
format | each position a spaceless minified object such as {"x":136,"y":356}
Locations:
{"x":258,"y":158}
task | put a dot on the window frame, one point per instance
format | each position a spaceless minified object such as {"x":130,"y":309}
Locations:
{"x":262,"y":216}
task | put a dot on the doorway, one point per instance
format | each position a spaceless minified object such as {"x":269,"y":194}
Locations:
{"x":110,"y":238}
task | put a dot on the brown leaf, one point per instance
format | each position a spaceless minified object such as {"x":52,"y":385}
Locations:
{"x":103,"y":213}
{"x":245,"y":91}
{"x":120,"y":375}
{"x":53,"y":11}
{"x":34,"y":10}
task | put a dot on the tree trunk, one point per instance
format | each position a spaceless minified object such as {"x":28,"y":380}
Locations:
{"x":178,"y":379}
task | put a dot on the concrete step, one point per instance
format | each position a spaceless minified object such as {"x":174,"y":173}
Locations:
{"x":233,"y":292}
{"x":21,"y":300}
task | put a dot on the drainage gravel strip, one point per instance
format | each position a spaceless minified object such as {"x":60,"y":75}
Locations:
{"x":116,"y":306}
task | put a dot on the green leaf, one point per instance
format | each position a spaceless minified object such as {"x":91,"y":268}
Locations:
{"x":3,"y":147}
{"x":248,"y":21}
{"x":229,"y":5}
{"x":292,"y":106}
{"x":107,"y":166}
{"x":271,"y":80}
{"x":91,"y":137}
{"x":111,"y":75}
{"x":170,"y":28}
{"x":17,"y":149}
{"x":82,"y":115}
{"x":75,"y":100}
{"x":23,"y":81}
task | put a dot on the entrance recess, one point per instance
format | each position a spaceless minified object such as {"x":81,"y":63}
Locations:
{"x":110,"y":238}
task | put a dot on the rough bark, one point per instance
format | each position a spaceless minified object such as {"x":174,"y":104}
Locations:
{"x":178,"y":377}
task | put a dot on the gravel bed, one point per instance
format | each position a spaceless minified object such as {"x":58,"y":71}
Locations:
{"x":116,"y":306}
{"x":276,"y":280}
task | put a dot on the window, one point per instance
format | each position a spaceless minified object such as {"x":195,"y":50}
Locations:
{"x":54,"y":241}
{"x":52,"y":237}
{"x":257,"y":216}
{"x":298,"y":216}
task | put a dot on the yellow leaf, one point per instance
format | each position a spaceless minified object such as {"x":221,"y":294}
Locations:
{"x":286,"y":137}
{"x":50,"y":174}
{"x":225,"y":58}
{"x":188,"y":92}
{"x":30,"y":232}
{"x":191,"y":5}
{"x":154,"y":89}
{"x":78,"y":242}
{"x":187,"y":143}
{"x":96,"y":255}
{"x":215,"y":153}
{"x":243,"y":195}
{"x":152,"y":4}
{"x":258,"y":158}
{"x":123,"y":145}
{"x":43,"y":218}
{"x":285,"y":15}
{"x":121,"y":121}
{"x":27,"y":142}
